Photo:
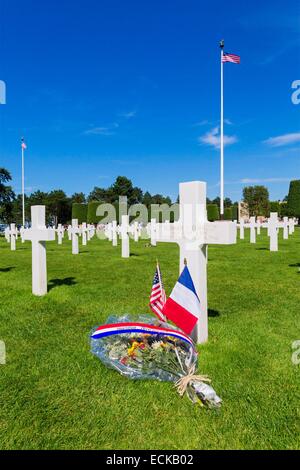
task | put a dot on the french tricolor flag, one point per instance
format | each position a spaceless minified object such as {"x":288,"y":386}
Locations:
{"x":183,"y":305}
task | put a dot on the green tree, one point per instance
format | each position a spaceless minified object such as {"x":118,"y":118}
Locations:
{"x":235,"y":212}
{"x":228,"y":213}
{"x":147,"y":199}
{"x":275,"y":206}
{"x":123,"y":187}
{"x":37,"y":198}
{"x":79,"y":212}
{"x":284,"y":211}
{"x":227,"y":202}
{"x":216,"y":201}
{"x":78,"y":198}
{"x":160,"y":199}
{"x":213,"y":212}
{"x":59,"y":207}
{"x":7,"y":195}
{"x":16,"y":214}
{"x":136,"y":196}
{"x":293,"y":201}
{"x":257,"y":198}
{"x":98,"y":194}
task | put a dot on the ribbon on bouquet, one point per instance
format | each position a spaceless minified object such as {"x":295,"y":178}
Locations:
{"x":144,"y":328}
{"x":183,"y":383}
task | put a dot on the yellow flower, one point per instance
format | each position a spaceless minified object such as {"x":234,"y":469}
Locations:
{"x":134,"y":345}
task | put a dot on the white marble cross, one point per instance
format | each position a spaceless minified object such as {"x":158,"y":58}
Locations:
{"x":252,"y":230}
{"x":285,"y":228}
{"x":153,"y":232}
{"x":273,"y":231}
{"x":92,"y":231}
{"x":38,"y":234}
{"x":242,"y":229}
{"x":258,"y":226}
{"x":291,"y":226}
{"x":108,"y":231}
{"x":84,"y":232}
{"x":13,"y":236}
{"x":22,"y":231}
{"x":136,"y":231}
{"x":75,"y":232}
{"x":60,"y":233}
{"x":69,"y":230}
{"x":124,"y":229}
{"x":193,"y":233}
{"x":114,"y":233}
{"x":7,"y":234}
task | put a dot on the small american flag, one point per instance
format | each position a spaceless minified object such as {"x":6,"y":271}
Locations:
{"x":158,"y":295}
{"x":231,"y":58}
{"x":23,"y":145}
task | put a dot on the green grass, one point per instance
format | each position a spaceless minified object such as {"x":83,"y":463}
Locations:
{"x":55,"y":395}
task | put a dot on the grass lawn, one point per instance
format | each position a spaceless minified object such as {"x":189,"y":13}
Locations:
{"x":55,"y":395}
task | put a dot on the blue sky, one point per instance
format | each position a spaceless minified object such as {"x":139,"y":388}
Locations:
{"x":101,"y":88}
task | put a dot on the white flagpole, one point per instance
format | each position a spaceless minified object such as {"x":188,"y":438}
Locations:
{"x":23,"y":185}
{"x":222,"y":135}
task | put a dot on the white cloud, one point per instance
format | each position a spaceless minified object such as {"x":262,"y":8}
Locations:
{"x":264,"y":180}
{"x":285,"y":139}
{"x":108,"y":130}
{"x":213,"y":138}
{"x":201,"y":123}
{"x":205,"y":122}
{"x":128,"y":115}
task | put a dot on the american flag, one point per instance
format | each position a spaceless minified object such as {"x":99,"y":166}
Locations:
{"x":158,"y":295}
{"x":231,"y":58}
{"x":23,"y":145}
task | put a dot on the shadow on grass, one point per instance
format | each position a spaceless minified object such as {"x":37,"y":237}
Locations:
{"x":262,"y":249}
{"x":67,"y":281}
{"x":295,"y":265}
{"x":6,"y":270}
{"x":213,"y":313}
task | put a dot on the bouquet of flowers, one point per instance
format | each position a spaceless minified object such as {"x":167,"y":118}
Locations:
{"x":148,"y":349}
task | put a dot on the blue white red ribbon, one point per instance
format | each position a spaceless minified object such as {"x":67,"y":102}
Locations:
{"x":144,"y":328}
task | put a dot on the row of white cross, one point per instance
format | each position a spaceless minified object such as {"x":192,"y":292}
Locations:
{"x":272,"y":225}
{"x":86,"y":231}
{"x":192,"y":233}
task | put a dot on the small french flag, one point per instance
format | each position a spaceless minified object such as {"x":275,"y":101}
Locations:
{"x":183,"y":305}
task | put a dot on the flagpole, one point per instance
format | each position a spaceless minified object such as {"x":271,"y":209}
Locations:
{"x":158,"y":272}
{"x":23,"y":186}
{"x":222,"y":135}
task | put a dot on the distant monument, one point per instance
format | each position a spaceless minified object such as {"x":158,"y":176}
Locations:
{"x":243,"y":211}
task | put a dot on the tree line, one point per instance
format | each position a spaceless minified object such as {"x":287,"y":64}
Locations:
{"x":59,"y":205}
{"x":259,"y":204}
